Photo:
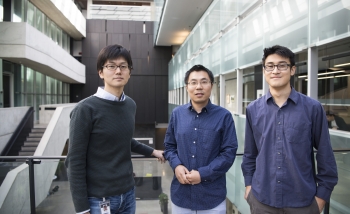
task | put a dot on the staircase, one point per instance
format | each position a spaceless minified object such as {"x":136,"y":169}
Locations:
{"x":32,"y":141}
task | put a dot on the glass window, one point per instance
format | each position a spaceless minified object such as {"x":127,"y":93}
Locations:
{"x":68,"y":43}
{"x":30,"y":14}
{"x":39,"y":20}
{"x":38,"y":83}
{"x":1,"y":11}
{"x":64,"y":40}
{"x":248,"y":87}
{"x":48,"y":85}
{"x":285,"y":23}
{"x":47,"y":27}
{"x":59,"y":87}
{"x":30,"y":100}
{"x":228,"y":11}
{"x":229,"y":51}
{"x":53,"y":32}
{"x":329,"y":20}
{"x":18,"y":8}
{"x":231,"y":91}
{"x":38,"y":98}
{"x":250,"y":39}
{"x":59,"y":35}
{"x":30,"y":80}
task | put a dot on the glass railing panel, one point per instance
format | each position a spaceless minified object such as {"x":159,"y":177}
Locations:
{"x":235,"y":186}
{"x":340,"y":202}
{"x":58,"y":197}
{"x":240,"y":131}
{"x":339,"y":139}
{"x":151,"y":179}
{"x":15,"y":185}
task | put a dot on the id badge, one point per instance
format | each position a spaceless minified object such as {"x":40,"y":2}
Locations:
{"x":105,"y":207}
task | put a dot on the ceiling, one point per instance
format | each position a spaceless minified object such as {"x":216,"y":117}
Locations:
{"x":178,"y":21}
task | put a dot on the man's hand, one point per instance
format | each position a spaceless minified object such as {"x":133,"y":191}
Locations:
{"x":321,"y":203}
{"x":247,"y":191}
{"x":194,"y":177}
{"x":159,"y":154}
{"x":180,"y":173}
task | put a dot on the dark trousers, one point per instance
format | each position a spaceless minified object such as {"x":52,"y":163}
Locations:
{"x":256,"y":207}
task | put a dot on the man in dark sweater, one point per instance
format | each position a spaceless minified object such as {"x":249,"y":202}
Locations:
{"x":99,"y":163}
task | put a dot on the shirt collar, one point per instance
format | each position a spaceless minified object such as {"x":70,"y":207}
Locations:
{"x":101,"y":93}
{"x":207,"y":108}
{"x":293,"y":96}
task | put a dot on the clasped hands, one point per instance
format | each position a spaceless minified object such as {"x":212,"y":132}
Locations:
{"x":187,"y":177}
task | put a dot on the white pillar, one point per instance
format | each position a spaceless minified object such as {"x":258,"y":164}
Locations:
{"x":89,"y":3}
{"x":222,"y":91}
{"x":312,"y":71}
{"x":239,"y":95}
{"x":185,"y":95}
{"x":265,"y":85}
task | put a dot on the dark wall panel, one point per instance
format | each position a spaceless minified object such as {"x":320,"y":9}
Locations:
{"x":148,"y":84}
{"x":162,"y":97}
{"x":118,"y":27}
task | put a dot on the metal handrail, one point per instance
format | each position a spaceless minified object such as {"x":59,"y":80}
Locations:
{"x":26,"y":120}
{"x":31,"y":160}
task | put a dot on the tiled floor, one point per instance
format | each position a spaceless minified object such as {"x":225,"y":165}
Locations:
{"x":61,"y":201}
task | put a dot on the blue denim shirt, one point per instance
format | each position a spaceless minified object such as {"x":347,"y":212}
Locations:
{"x":278,"y":151}
{"x":205,"y":142}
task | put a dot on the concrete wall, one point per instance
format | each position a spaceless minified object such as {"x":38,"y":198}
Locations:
{"x":22,"y":43}
{"x":14,"y":191}
{"x":10,"y":118}
{"x":65,"y":14}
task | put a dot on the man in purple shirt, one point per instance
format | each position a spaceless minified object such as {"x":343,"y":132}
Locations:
{"x":200,"y":145}
{"x":282,"y":129}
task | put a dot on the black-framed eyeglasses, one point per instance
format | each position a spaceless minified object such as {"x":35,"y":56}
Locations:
{"x":114,"y":67}
{"x":202,"y":83}
{"x":280,"y":67}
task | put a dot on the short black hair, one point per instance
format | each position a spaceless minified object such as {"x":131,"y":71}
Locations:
{"x":199,"y":68}
{"x":330,"y":113}
{"x":111,"y":52}
{"x":281,"y":51}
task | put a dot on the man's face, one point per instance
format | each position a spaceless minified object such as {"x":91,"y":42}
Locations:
{"x":199,"y":87}
{"x":278,"y":78}
{"x":115,"y":78}
{"x":330,"y":118}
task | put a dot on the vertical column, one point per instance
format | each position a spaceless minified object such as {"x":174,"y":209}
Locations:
{"x":89,"y":3}
{"x":181,"y":96}
{"x":185,"y":95}
{"x":1,"y":87}
{"x":265,"y":85}
{"x":312,"y":70}
{"x":239,"y":95}
{"x":222,"y":90}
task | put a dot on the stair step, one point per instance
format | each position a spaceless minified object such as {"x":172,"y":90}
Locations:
{"x":25,"y":153}
{"x":26,"y":143}
{"x":36,"y":134}
{"x":28,"y":149}
{"x":35,"y":139}
{"x":40,"y":126}
{"x":38,"y":130}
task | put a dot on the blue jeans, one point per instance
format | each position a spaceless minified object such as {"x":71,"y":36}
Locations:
{"x":120,"y":204}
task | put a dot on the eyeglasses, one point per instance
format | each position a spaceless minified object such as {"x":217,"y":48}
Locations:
{"x":114,"y":67}
{"x":202,"y":83}
{"x":280,"y":67}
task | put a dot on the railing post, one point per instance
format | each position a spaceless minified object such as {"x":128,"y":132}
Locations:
{"x":326,"y":208}
{"x":31,"y":162}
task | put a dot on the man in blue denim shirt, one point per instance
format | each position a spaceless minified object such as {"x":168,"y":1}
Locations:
{"x":200,"y":145}
{"x":282,"y":128}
